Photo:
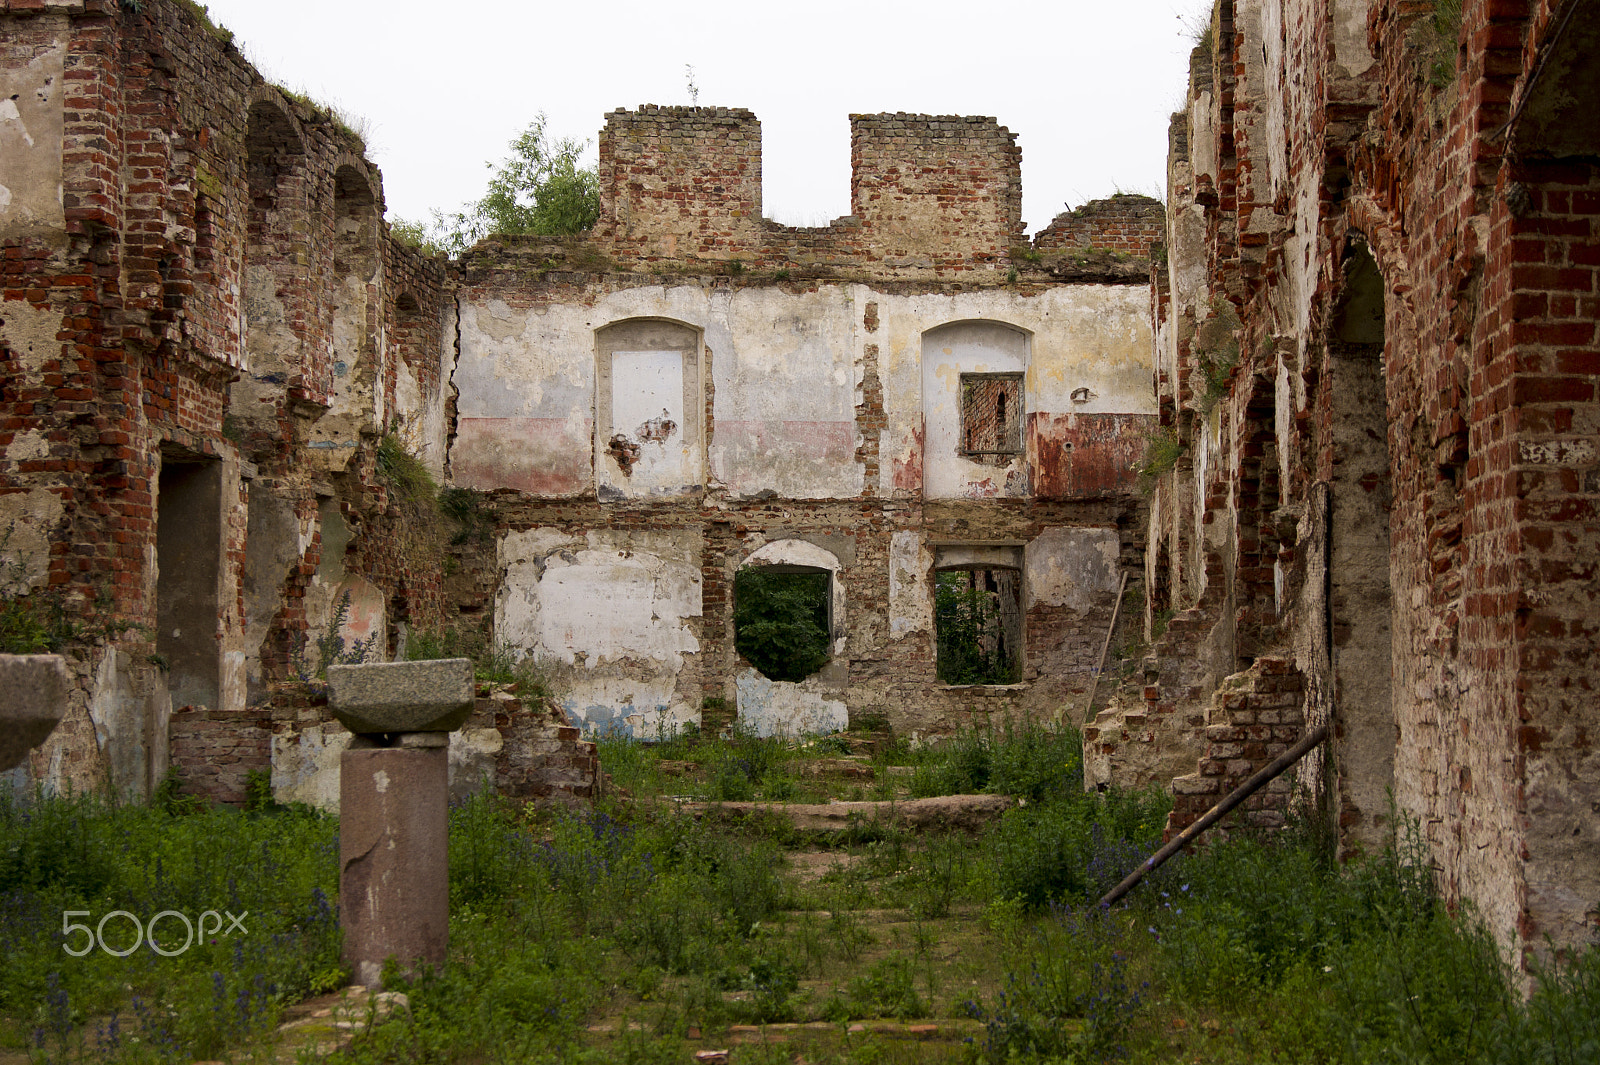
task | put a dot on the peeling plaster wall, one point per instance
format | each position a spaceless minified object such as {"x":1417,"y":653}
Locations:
{"x":786,"y":367}
{"x":305,"y":763}
{"x":649,"y":415}
{"x":129,"y":706}
{"x":789,"y":708}
{"x":1072,"y":568}
{"x":611,"y":612}
{"x":28,"y":522}
{"x":32,"y":127}
{"x":786,"y":394}
{"x":525,"y":407}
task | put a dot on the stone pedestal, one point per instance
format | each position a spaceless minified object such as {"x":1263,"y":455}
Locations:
{"x":394,"y":866}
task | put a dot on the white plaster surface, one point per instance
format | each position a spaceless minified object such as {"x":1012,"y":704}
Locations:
{"x":1071,"y":567}
{"x":28,"y":521}
{"x":643,"y":708}
{"x":910,"y":597}
{"x":305,"y":766}
{"x":32,"y":113}
{"x":647,"y":406}
{"x":1349,"y":36}
{"x":130,"y":709}
{"x":609,"y":609}
{"x":787,"y":368}
{"x":781,"y":708}
{"x":471,"y":760}
{"x":30,"y":333}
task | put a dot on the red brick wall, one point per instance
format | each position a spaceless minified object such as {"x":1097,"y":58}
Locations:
{"x":1126,"y":223}
{"x":213,"y":752}
{"x":943,"y":189}
{"x":164,"y":125}
{"x":932,"y":195}
{"x":1489,"y":294}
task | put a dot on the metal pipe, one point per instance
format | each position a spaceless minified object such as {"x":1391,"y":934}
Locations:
{"x":1219,"y":811}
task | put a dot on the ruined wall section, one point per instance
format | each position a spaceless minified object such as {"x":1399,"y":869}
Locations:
{"x":812,"y":409}
{"x":784,"y":370}
{"x":632,"y":607}
{"x":931,"y":196}
{"x":525,"y":750}
{"x":184,"y":190}
{"x":941,"y":192}
{"x":1414,"y":293}
{"x":680,"y":183}
{"x":1127,"y":222}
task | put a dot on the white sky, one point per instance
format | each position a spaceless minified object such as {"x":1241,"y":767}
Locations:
{"x":1086,"y":85}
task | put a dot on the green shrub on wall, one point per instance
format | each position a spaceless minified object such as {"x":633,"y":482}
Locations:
{"x":780,"y":621}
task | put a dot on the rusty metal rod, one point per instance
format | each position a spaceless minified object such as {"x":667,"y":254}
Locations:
{"x":1218,"y":812}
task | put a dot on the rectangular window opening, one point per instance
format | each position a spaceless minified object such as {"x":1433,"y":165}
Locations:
{"x":978,"y":625}
{"x":991,"y":417}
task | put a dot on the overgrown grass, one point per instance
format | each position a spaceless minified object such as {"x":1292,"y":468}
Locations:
{"x":619,"y":932}
{"x":739,"y":767}
{"x":1162,"y":450}
{"x":406,"y":475}
{"x":1440,"y":41}
{"x":1216,"y":354}
{"x":1032,"y":762}
{"x":76,"y":860}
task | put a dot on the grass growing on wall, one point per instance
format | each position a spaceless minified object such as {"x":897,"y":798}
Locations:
{"x":1441,"y":40}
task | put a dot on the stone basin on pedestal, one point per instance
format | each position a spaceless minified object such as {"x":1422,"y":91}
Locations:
{"x":394,"y":862}
{"x":388,"y":698}
{"x":33,"y":699}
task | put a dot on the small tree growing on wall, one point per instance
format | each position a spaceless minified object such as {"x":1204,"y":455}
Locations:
{"x":539,"y":188}
{"x":780,"y":621}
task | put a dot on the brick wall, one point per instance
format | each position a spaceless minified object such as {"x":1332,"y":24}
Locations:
{"x":1127,"y":223}
{"x":1254,"y":717}
{"x":681,"y":182}
{"x":931,"y":196}
{"x":190,"y":190}
{"x":1310,"y":148}
{"x":214,"y":752}
{"x":936,"y":191}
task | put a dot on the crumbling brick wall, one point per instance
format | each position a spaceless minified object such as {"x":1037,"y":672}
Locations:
{"x":1383,"y":225}
{"x":1254,"y":717}
{"x":1127,"y":223}
{"x":235,"y":307}
{"x":134,"y":347}
{"x":213,"y":752}
{"x":931,"y":196}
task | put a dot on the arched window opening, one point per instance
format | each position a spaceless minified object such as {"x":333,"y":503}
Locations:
{"x":781,"y":619}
